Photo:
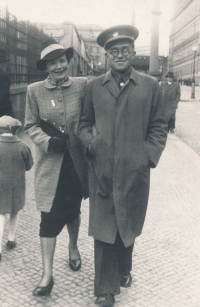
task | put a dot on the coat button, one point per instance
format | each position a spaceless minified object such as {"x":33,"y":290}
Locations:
{"x":58,"y":87}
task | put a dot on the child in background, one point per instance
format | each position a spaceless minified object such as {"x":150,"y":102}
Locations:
{"x":15,"y":159}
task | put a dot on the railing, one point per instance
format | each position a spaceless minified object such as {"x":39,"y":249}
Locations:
{"x":22,"y":42}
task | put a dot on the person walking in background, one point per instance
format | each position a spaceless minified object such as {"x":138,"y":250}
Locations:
{"x":131,"y":131}
{"x":171,"y":94}
{"x":15,"y":159}
{"x":5,"y":102}
{"x":53,"y":110}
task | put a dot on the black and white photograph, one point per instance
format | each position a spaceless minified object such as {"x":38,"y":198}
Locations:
{"x":99,"y":153}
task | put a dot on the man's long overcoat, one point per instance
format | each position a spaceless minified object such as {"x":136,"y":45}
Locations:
{"x":61,"y":105}
{"x":130,"y":135}
{"x":171,"y":96}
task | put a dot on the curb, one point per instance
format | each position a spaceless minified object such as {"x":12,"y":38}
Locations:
{"x":189,"y":100}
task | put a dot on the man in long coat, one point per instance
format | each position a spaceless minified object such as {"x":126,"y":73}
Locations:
{"x":125,"y":108}
{"x":171,"y":94}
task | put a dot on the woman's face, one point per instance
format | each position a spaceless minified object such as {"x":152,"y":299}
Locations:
{"x":57,"y":68}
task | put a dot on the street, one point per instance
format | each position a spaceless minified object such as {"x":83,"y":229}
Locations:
{"x":166,"y":261}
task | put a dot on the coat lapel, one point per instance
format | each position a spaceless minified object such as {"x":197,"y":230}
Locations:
{"x":168,"y":86}
{"x":109,"y":83}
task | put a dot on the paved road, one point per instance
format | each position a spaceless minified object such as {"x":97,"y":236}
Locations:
{"x":166,"y":261}
{"x":186,"y":93}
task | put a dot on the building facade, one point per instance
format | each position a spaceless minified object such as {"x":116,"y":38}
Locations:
{"x":184,"y":39}
{"x":68,"y":36}
{"x":22,"y":42}
{"x":89,"y":34}
{"x":141,"y":63}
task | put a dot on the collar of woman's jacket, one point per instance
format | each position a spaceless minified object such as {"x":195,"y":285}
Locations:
{"x":64,"y":83}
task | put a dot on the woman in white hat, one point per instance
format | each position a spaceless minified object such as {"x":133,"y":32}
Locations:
{"x":52,"y":117}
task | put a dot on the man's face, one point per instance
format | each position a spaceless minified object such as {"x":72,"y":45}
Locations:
{"x":121,"y":62}
{"x":169,"y":79}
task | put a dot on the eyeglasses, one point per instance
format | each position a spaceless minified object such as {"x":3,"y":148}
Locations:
{"x":124,"y":51}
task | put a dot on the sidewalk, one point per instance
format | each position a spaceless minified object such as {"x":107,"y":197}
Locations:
{"x":166,"y":262}
{"x":186,"y":93}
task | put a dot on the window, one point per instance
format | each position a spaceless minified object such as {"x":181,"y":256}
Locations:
{"x":3,"y":37}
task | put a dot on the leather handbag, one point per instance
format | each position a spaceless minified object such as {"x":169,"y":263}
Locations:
{"x":50,"y":128}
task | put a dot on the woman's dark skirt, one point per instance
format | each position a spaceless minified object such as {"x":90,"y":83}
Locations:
{"x":67,"y":201}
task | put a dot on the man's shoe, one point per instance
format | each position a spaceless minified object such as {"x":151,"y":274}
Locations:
{"x":11,"y":244}
{"x":171,"y":130}
{"x":126,"y":281}
{"x":105,"y":300}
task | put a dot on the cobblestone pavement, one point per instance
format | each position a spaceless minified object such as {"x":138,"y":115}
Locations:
{"x":166,"y":261}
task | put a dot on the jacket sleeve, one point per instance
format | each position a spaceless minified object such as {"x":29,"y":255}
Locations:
{"x":87,"y":119}
{"x":27,"y":157}
{"x":32,"y":122}
{"x":157,"y":128}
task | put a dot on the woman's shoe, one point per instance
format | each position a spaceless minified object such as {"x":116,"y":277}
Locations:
{"x":11,"y":244}
{"x":44,"y":291}
{"x":75,"y":264}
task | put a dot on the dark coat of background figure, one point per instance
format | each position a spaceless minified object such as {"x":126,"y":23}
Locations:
{"x":171,"y":95}
{"x":5,"y":102}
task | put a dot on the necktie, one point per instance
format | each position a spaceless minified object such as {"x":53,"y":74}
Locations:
{"x":121,"y":84}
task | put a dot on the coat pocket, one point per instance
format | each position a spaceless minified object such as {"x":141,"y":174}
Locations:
{"x":101,"y":163}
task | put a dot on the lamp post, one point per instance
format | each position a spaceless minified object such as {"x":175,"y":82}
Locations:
{"x":194,"y":49}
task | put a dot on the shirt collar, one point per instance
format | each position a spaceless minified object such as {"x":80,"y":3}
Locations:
{"x":108,"y":76}
{"x":123,"y":76}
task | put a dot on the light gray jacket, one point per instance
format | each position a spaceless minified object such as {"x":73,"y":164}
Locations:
{"x":62,"y":105}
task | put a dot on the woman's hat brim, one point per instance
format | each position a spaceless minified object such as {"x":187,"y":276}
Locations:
{"x":41,"y":64}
